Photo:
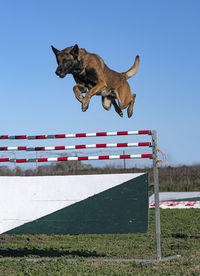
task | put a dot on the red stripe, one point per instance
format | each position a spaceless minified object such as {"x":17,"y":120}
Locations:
{"x":60,"y":136}
{"x":42,"y":159}
{"x":60,"y":148}
{"x":144,"y":144}
{"x":4,"y":137}
{"x":122,"y":145}
{"x":81,"y":135}
{"x":83,"y":158}
{"x":101,"y":145}
{"x":4,"y":159}
{"x":125,"y":156}
{"x":101,"y":134}
{"x":3,"y":148}
{"x":62,"y":159}
{"x":40,"y":137}
{"x":122,"y":132}
{"x":146,"y":155}
{"x":80,"y":146}
{"x":39,"y":148}
{"x":21,"y":148}
{"x":104,"y":157}
{"x":144,"y":132}
{"x":21,"y":137}
{"x":20,"y":160}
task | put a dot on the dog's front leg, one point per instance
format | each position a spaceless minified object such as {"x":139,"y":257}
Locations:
{"x":95,"y":90}
{"x":78,"y":90}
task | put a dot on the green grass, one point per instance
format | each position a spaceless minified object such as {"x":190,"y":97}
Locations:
{"x":180,"y":235}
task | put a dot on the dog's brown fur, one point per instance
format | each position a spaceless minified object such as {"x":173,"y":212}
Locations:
{"x":93,"y":77}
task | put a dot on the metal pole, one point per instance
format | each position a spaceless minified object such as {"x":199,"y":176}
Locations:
{"x":124,"y":160}
{"x":156,"y":193}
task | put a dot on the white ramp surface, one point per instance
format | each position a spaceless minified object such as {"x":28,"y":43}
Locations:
{"x":24,"y":199}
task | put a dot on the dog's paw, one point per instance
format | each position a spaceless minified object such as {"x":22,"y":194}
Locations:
{"x":130,"y":114}
{"x":121,"y":114}
{"x":84,"y":106}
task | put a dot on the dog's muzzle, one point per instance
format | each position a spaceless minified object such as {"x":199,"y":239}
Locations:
{"x":63,"y":71}
{"x":59,"y":73}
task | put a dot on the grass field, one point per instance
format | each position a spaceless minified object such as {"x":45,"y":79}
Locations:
{"x":180,"y":235}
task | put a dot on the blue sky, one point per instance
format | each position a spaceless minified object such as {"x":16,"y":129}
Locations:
{"x":165,"y":34}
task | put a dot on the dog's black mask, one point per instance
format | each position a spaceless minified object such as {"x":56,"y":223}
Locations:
{"x":67,"y":60}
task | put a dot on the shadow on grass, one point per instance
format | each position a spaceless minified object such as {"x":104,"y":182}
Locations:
{"x":185,"y":236}
{"x":25,"y":252}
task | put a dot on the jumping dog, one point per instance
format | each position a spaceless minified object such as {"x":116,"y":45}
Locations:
{"x":93,"y":77}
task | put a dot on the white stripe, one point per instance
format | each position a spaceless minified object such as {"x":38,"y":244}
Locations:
{"x":49,"y":148}
{"x":52,"y":159}
{"x":132,"y":144}
{"x":72,"y":158}
{"x":111,"y":133}
{"x":91,"y":134}
{"x":12,"y":148}
{"x":133,"y":132}
{"x":91,"y":146}
{"x":136,"y":155}
{"x":69,"y":147}
{"x":70,"y":135}
{"x":93,"y":157}
{"x":111,"y":145}
{"x":114,"y":157}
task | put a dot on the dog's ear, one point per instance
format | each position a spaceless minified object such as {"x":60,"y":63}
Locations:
{"x":74,"y":52}
{"x":55,"y":50}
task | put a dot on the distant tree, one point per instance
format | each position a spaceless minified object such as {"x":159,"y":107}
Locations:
{"x":5,"y":171}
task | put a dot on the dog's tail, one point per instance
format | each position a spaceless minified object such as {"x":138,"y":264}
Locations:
{"x":133,"y":70}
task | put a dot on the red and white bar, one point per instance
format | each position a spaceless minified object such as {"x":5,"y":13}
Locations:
{"x":176,"y":204}
{"x":77,"y":158}
{"x":90,"y":146}
{"x":76,"y":135}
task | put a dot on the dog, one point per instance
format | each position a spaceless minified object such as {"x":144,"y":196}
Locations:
{"x":93,"y":77}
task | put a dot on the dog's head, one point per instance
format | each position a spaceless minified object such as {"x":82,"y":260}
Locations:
{"x":67,"y":60}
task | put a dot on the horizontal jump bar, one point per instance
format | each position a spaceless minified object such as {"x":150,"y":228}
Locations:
{"x":77,"y":158}
{"x":76,"y":135}
{"x":115,"y":145}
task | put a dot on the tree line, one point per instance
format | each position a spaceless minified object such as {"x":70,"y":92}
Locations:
{"x":182,"y":178}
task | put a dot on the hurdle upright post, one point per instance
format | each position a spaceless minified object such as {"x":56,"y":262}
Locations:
{"x":156,"y":192}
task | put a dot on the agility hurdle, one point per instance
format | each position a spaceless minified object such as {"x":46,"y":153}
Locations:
{"x":116,"y":189}
{"x":76,"y":135}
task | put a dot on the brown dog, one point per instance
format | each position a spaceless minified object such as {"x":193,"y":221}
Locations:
{"x":93,"y":77}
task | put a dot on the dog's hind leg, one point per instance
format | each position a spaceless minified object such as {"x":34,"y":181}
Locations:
{"x":78,"y":90}
{"x":107,"y":101}
{"x":117,"y":108}
{"x":130,"y":106}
